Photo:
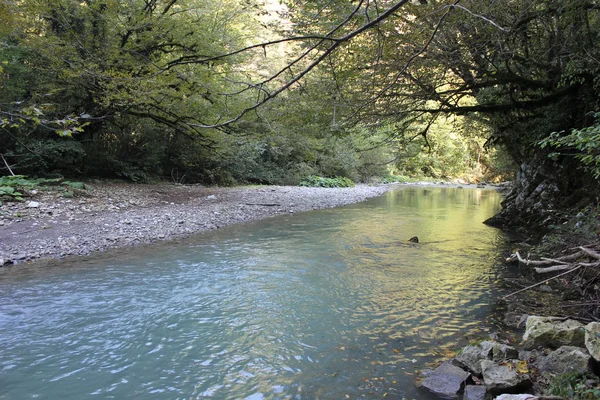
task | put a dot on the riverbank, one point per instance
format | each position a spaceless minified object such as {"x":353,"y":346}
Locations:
{"x":116,"y":215}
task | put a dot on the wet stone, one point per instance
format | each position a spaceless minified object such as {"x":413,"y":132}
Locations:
{"x":446,"y":381}
{"x":473,"y":392}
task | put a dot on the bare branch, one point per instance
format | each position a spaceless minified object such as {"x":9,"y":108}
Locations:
{"x":336,"y":43}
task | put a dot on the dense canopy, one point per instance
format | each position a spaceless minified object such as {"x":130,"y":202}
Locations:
{"x":254,"y":91}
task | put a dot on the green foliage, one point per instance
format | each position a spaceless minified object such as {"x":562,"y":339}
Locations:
{"x":396,"y":179}
{"x":575,"y":386}
{"x":318,"y":181}
{"x":49,"y":156}
{"x":583,"y":144}
{"x":13,"y":188}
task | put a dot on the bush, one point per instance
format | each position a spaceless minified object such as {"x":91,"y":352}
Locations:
{"x":575,"y":386}
{"x":48,"y":157}
{"x":318,"y":181}
{"x":395,"y":179}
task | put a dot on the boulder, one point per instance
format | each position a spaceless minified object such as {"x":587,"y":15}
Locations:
{"x":566,"y":359}
{"x":446,"y":381}
{"x":553,"y":332}
{"x":471,"y":356}
{"x":592,"y":339}
{"x":503,"y":352}
{"x":504,"y":377}
{"x":473,"y":392}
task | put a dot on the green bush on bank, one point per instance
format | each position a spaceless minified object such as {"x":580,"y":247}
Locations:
{"x":319,"y":181}
{"x":14,"y":188}
{"x":575,"y":386}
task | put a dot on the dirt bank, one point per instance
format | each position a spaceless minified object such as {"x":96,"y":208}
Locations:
{"x":47,"y":225}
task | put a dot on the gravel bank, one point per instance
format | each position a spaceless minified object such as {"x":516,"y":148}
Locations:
{"x":109,"y":216}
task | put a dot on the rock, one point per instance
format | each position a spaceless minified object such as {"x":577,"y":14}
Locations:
{"x":446,"y":380}
{"x":471,"y":356}
{"x":503,"y":352}
{"x":592,"y":339}
{"x":566,"y":359}
{"x":504,"y":377}
{"x":473,"y":392}
{"x":33,"y":204}
{"x":211,"y":197}
{"x":516,"y":397}
{"x":414,"y":239}
{"x":553,"y":332}
{"x":515,"y":320}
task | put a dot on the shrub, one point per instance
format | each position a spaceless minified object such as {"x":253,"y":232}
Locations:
{"x":318,"y":181}
{"x":575,"y":386}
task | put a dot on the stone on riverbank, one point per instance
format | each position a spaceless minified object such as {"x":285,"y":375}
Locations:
{"x":566,"y":359}
{"x":516,"y":397}
{"x":592,"y":339}
{"x":553,"y":332}
{"x":446,"y":381}
{"x":503,"y":352}
{"x":473,"y":392}
{"x":471,"y":356}
{"x":504,"y":377}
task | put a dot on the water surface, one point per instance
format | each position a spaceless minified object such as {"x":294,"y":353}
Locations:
{"x":329,"y":304}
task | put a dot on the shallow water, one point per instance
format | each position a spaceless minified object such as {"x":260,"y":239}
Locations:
{"x":328,"y":304}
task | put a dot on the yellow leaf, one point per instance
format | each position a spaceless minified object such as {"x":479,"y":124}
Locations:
{"x":396,"y":351}
{"x":522,"y":367}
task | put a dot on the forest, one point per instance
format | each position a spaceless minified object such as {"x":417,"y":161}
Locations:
{"x":268,"y":92}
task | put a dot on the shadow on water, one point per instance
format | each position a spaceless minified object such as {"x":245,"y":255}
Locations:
{"x":324,"y":304}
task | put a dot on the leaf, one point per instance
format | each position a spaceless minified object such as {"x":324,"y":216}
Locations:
{"x":522,"y":367}
{"x":396,"y":351}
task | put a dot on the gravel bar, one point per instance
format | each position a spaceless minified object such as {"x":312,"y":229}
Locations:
{"x":108,"y":216}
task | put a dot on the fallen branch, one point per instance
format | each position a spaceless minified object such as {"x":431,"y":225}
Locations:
{"x":554,"y":268}
{"x":542,"y":282}
{"x":590,"y":253}
{"x":7,"y":166}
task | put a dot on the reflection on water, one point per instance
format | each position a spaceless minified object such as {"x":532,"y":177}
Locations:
{"x":316,"y":305}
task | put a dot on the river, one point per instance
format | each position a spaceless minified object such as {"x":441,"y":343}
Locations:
{"x":328,"y":304}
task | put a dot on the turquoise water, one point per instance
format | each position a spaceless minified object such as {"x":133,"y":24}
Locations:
{"x":328,"y":304}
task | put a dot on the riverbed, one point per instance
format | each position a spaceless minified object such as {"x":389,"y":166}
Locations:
{"x":325,"y":304}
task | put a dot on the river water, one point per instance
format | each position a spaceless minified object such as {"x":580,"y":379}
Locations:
{"x":329,"y":304}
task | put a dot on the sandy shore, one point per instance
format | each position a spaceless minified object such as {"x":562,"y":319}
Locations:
{"x":110,"y":216}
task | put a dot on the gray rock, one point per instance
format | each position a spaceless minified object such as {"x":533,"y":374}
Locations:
{"x":473,"y":392}
{"x":33,"y":204}
{"x":566,"y":359}
{"x":553,"y":332}
{"x":503,"y":352}
{"x":471,"y":356}
{"x":504,"y":377}
{"x":516,"y":397}
{"x":592,"y":339}
{"x":447,"y":380}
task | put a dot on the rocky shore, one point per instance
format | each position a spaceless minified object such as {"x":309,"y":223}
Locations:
{"x":551,"y":348}
{"x":110,"y":215}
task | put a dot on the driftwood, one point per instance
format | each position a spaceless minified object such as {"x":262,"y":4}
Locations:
{"x":583,"y":257}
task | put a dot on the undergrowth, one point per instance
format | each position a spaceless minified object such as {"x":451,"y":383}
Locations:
{"x":319,"y":181}
{"x":15,"y":188}
{"x":575,"y":386}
